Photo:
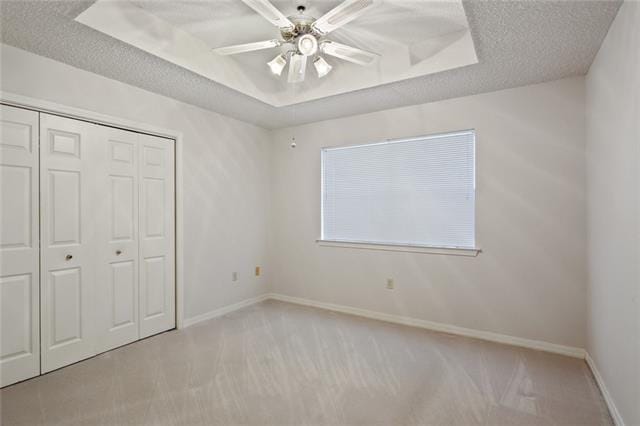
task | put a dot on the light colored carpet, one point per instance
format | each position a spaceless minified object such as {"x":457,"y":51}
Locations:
{"x":282,"y":364}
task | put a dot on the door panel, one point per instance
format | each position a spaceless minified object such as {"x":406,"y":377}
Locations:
{"x":19,"y":229}
{"x":16,"y":221}
{"x":18,"y":131}
{"x":68,"y":202}
{"x":17,"y":310}
{"x":66,"y":306}
{"x":64,"y":202}
{"x":123,"y":209}
{"x":154,"y":287}
{"x":123,"y":294}
{"x":117,"y":288}
{"x":154,"y":202}
{"x":157,"y":241}
{"x":64,"y":143}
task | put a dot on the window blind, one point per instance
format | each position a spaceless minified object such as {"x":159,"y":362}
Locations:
{"x":418,"y":191}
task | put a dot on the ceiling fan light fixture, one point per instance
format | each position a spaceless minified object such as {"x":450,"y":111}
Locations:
{"x":307,"y":39}
{"x":307,"y":45}
{"x":277,"y":64}
{"x":297,"y":68}
{"x":322,"y":67}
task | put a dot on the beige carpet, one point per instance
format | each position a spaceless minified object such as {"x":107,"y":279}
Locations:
{"x":281,"y":364}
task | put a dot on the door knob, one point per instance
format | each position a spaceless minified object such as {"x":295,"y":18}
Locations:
{"x":118,"y":252}
{"x":68,"y":257}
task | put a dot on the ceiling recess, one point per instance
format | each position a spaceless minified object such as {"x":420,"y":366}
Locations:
{"x":279,"y":53}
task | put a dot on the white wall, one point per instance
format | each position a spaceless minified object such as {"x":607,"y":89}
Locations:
{"x":226,"y":172}
{"x":613,"y":182}
{"x":530,"y":280}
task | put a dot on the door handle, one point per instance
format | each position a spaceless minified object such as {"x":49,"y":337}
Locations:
{"x":118,"y":252}
{"x":68,"y":257}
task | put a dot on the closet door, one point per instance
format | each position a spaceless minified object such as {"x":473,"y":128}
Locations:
{"x":68,"y":235}
{"x":19,"y":268}
{"x":117,"y":282}
{"x":157,"y":236}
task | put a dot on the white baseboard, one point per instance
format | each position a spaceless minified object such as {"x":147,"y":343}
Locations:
{"x":224,"y":310}
{"x":615,"y":414}
{"x":396,"y":319}
{"x":436,"y":326}
{"x":429,"y":325}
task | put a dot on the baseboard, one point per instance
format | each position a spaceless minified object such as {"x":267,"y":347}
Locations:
{"x":436,"y":326}
{"x":224,"y":310}
{"x":615,"y":414}
{"x":396,"y":319}
{"x":429,"y":325}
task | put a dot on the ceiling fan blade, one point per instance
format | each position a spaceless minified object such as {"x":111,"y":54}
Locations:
{"x":270,"y":13}
{"x":348,"y":53}
{"x":247,"y":47}
{"x":297,"y":68}
{"x":341,"y":14}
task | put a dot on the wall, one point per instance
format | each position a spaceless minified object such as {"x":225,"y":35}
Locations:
{"x":613,"y":183}
{"x":530,"y":279}
{"x":226,"y":172}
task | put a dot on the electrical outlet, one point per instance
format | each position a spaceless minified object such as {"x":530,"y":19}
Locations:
{"x":257,"y":271}
{"x":391,"y":284}
{"x":234,"y":276}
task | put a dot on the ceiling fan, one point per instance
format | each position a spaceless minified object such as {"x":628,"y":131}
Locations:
{"x":307,"y":37}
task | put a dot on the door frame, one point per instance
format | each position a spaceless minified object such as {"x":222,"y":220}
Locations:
{"x":54,"y":108}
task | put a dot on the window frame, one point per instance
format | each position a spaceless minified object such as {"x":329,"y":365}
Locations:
{"x":410,"y":248}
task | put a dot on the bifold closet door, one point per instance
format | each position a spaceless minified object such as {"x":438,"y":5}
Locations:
{"x":68,"y":203}
{"x":101,"y":201}
{"x":107,"y":238}
{"x":19,"y":267}
{"x":157,"y":235}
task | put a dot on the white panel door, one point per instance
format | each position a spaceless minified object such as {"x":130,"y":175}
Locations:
{"x":117,"y":282}
{"x":68,"y":235}
{"x":157,"y":235}
{"x":19,"y":268}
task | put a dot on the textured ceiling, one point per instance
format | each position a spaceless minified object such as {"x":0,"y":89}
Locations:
{"x":517,"y":42}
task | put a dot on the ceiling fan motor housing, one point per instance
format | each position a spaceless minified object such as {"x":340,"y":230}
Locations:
{"x":302,"y":25}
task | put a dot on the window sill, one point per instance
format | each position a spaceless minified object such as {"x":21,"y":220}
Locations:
{"x":454,"y":251}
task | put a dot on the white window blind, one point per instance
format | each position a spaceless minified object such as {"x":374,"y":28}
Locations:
{"x":418,"y":191}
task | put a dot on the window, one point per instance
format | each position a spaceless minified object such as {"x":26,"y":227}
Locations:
{"x":408,"y":192}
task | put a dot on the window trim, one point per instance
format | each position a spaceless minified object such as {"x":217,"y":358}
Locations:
{"x":407,"y":248}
